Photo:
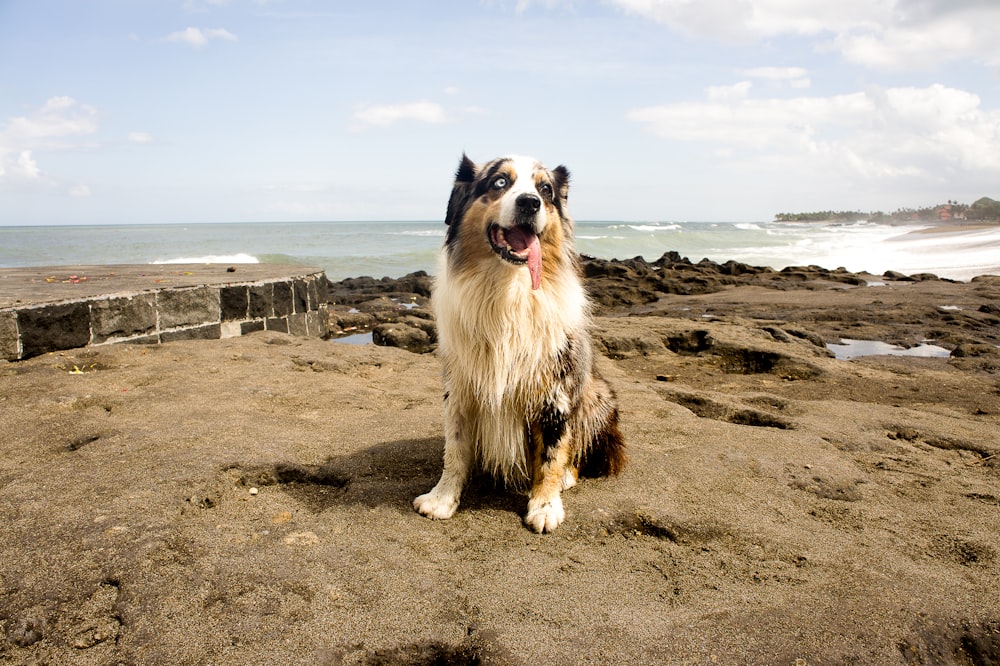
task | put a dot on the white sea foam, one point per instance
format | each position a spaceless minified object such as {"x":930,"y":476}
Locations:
{"x":424,"y":233}
{"x":653,"y":228}
{"x":960,"y":255}
{"x":240,"y":258}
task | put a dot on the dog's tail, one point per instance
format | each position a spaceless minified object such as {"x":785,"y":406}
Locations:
{"x":606,"y":454}
{"x":603,"y":454}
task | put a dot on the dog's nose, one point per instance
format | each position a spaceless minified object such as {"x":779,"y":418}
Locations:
{"x":528,"y":204}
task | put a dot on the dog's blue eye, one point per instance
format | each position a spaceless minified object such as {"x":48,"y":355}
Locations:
{"x":499,"y":183}
{"x":546,"y":190}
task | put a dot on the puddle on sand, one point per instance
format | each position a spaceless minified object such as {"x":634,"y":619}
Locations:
{"x":356,"y":339}
{"x":848,"y":349}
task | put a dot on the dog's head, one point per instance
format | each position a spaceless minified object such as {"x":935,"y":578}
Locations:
{"x":511,"y":210}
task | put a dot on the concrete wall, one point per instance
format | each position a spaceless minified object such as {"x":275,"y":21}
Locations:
{"x":288,"y":304}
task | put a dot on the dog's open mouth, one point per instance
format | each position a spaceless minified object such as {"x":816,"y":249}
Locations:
{"x":518,"y":245}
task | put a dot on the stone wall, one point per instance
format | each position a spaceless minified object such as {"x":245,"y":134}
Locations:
{"x":208,"y":311}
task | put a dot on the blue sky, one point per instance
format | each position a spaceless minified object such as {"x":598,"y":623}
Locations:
{"x":127,"y":111}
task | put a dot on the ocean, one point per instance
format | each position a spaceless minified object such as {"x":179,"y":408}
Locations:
{"x":393,"y":249}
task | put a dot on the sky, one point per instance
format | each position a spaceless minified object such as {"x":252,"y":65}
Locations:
{"x":159,"y":111}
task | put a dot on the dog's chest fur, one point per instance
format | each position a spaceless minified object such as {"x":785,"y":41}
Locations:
{"x":502,"y":339}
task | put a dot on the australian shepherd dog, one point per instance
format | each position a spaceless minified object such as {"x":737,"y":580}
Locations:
{"x":523,"y":400}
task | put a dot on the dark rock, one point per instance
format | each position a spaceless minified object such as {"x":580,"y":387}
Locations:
{"x":341,"y":322}
{"x":425,"y":324}
{"x":627,"y":346}
{"x":402,"y":335}
{"x":353,"y":291}
{"x":974,"y":349}
{"x":777,"y":333}
{"x":808,"y":336}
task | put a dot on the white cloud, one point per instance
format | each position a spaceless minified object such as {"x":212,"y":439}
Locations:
{"x":888,"y":34}
{"x":141,"y":137}
{"x":384,"y":115}
{"x":776,"y":73}
{"x":79,"y":192}
{"x":197,"y":38}
{"x":877,"y":133}
{"x":57,"y":125}
{"x":796,"y":77}
{"x":26,"y":166}
{"x":723,"y":93}
{"x":59,"y":117}
{"x":964,"y":34}
{"x":749,"y":20}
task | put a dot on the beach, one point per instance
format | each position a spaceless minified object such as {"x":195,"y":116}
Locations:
{"x":248,"y":500}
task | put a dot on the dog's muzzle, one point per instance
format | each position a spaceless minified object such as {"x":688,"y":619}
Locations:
{"x":519,"y":244}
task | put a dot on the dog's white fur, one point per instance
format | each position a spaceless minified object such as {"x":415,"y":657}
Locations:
{"x":503,"y":346}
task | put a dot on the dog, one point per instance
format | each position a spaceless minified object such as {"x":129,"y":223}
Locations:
{"x":523,"y":400}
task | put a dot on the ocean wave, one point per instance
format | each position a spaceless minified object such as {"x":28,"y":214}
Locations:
{"x":423,"y":233}
{"x":240,"y":258}
{"x":653,"y":228}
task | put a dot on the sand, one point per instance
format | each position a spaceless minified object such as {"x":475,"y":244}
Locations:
{"x":248,"y":501}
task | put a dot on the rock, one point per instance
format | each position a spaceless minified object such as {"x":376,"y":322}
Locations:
{"x":808,"y":336}
{"x":353,"y":291}
{"x":345,"y":322}
{"x":402,"y":335}
{"x":974,"y":349}
{"x":627,"y":346}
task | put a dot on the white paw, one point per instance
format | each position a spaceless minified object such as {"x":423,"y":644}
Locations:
{"x":438,"y":507}
{"x":545,"y":516}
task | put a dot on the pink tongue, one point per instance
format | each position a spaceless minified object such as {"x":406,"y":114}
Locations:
{"x":520,"y":240}
{"x":535,"y":262}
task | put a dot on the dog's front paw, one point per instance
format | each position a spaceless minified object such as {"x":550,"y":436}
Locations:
{"x":438,"y":507}
{"x":545,"y":515}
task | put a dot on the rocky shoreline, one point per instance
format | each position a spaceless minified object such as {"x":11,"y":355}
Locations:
{"x":397,"y":311}
{"x":248,"y":499}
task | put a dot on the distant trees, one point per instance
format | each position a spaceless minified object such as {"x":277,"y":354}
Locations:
{"x":983,"y":209}
{"x":821,"y":216}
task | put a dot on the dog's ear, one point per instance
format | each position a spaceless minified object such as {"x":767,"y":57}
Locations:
{"x":560,"y":181}
{"x":465,"y":178}
{"x":467,"y":169}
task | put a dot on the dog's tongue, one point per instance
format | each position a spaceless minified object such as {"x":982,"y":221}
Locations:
{"x":535,"y":262}
{"x":521,"y":239}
